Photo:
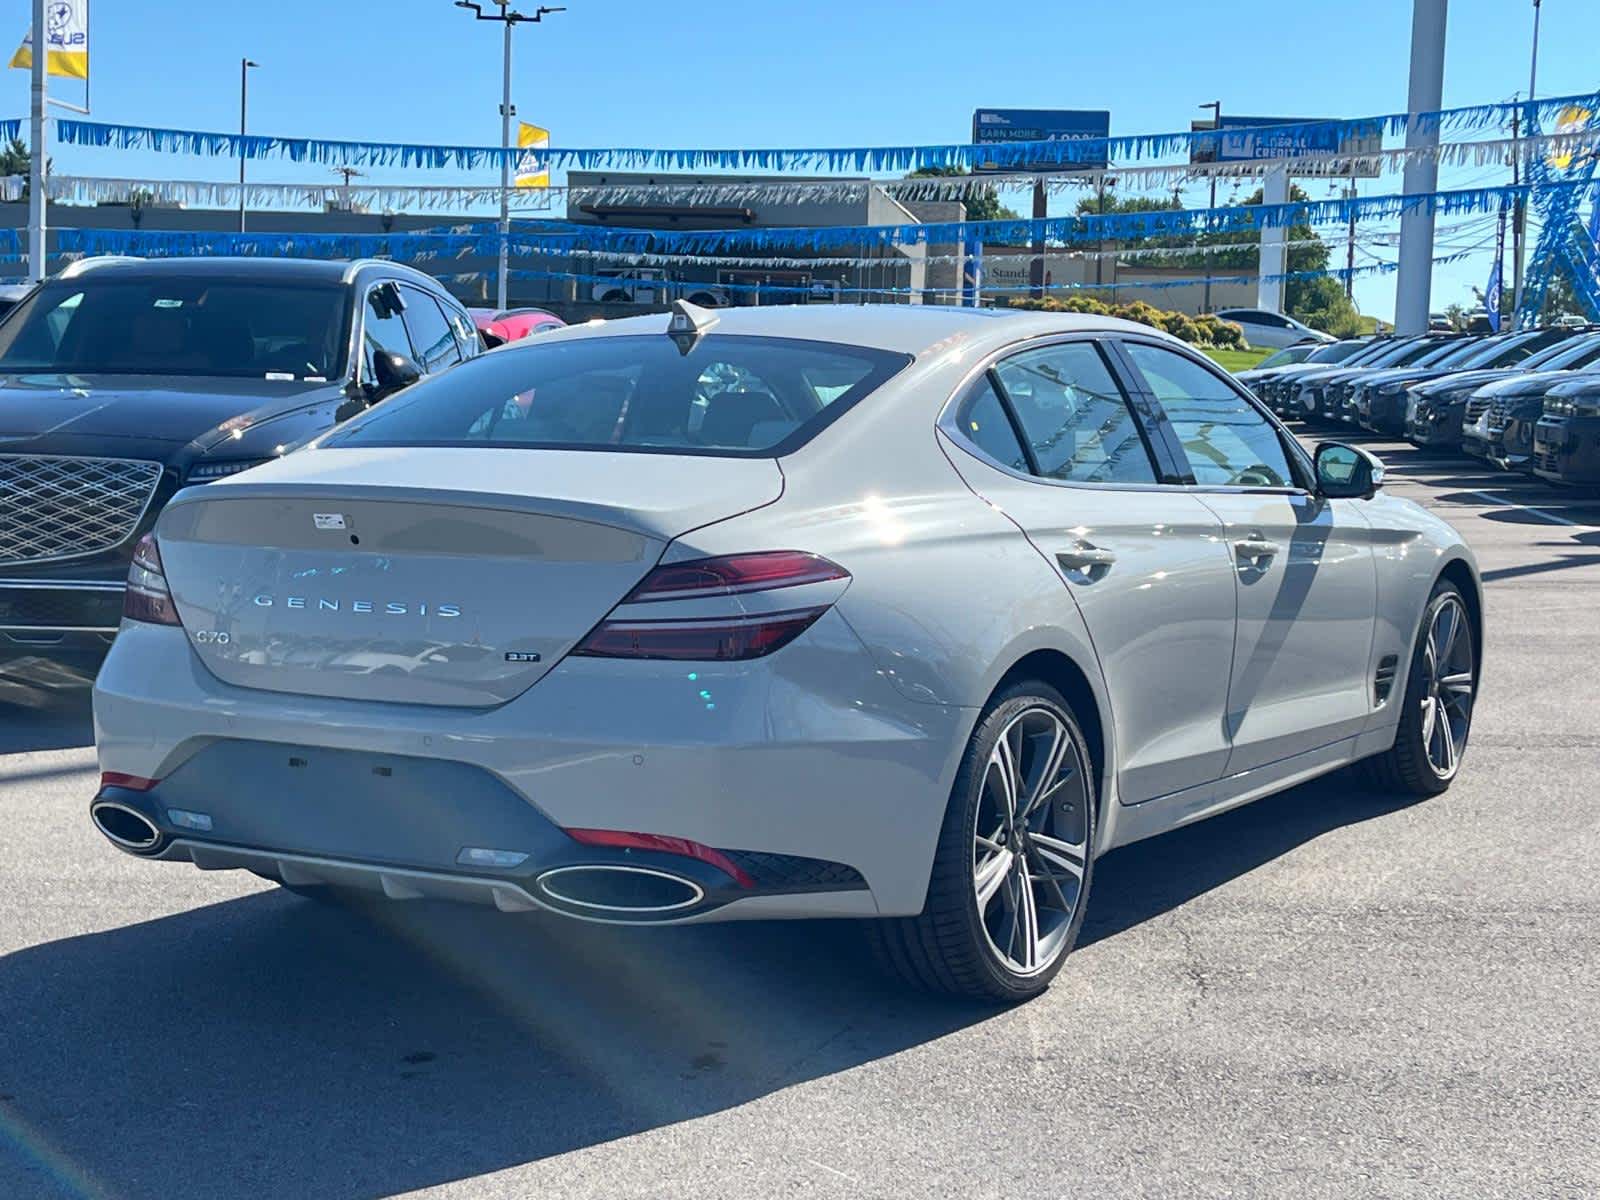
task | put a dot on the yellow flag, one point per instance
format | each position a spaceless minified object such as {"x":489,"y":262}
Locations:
{"x":532,"y":171}
{"x":67,"y":35}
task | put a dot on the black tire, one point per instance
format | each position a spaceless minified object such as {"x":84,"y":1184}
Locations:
{"x":1407,"y":767}
{"x":948,"y":947}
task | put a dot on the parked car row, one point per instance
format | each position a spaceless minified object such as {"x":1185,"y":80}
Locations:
{"x":1527,"y":400}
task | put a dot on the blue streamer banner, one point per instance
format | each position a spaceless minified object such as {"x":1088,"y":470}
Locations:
{"x":859,"y":159}
{"x":10,"y":130}
{"x":480,"y":239}
{"x":796,"y":290}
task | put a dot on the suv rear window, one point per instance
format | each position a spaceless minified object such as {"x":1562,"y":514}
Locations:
{"x":730,"y":395}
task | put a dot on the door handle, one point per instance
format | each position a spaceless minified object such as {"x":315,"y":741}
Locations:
{"x":1255,"y":548}
{"x":1086,"y":557}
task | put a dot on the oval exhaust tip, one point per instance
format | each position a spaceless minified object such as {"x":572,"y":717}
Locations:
{"x":128,"y":828}
{"x":619,"y":890}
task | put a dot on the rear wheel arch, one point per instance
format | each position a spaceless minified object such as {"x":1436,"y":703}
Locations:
{"x":1063,"y":673}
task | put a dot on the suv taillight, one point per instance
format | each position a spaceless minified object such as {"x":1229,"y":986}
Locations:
{"x":147,"y":598}
{"x":739,"y":634}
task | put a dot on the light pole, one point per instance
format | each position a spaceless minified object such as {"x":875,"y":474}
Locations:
{"x":1519,"y":248}
{"x":508,"y":17}
{"x":1216,"y":123}
{"x":244,"y":97}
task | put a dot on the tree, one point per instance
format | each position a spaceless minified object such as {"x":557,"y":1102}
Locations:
{"x":15,"y":159}
{"x":1320,"y":301}
{"x":982,"y":204}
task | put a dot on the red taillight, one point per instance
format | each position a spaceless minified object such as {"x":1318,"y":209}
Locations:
{"x":133,"y":783}
{"x":721,"y":639}
{"x":714,"y":638}
{"x":682,"y":847}
{"x":734,"y":574}
{"x":147,"y":598}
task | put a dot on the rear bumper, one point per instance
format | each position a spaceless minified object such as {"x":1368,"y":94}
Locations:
{"x":1567,"y":449}
{"x":809,"y":755}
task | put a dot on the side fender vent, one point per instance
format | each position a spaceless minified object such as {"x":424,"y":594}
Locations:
{"x":1383,"y":681}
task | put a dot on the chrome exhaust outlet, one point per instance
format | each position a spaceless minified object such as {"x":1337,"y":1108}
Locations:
{"x":620,"y":891}
{"x":127,"y":827}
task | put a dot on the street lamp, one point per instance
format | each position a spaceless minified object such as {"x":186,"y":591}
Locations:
{"x":508,"y":17}
{"x":244,"y":96}
{"x":1216,"y":123}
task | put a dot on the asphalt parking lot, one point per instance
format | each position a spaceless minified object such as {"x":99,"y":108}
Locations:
{"x":1329,"y":993}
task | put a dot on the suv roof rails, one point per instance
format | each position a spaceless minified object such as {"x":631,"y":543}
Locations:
{"x":74,"y":269}
{"x":356,"y":265}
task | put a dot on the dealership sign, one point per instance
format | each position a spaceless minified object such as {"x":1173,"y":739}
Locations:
{"x":1042,"y":125}
{"x":1250,"y":139}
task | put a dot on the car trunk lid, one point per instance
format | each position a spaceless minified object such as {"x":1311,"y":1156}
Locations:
{"x":450,"y":576}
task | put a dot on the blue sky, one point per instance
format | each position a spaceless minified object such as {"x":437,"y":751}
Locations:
{"x":826,"y":72}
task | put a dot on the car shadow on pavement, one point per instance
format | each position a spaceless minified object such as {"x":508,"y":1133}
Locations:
{"x":271,"y":1045}
{"x":32,"y":719}
{"x":275,"y":1045}
{"x":1139,"y":882}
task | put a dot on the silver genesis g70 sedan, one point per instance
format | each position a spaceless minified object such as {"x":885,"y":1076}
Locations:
{"x":895,"y":613}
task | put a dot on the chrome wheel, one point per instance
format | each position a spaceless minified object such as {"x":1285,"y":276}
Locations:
{"x":1030,"y":841}
{"x":1447,"y":686}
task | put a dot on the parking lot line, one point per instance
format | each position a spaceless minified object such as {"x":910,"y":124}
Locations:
{"x":1528,"y":508}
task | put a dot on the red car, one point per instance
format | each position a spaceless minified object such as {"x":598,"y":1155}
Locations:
{"x":513,"y":324}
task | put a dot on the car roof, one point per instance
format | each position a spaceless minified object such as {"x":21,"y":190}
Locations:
{"x":297,"y":270}
{"x":902,"y":328}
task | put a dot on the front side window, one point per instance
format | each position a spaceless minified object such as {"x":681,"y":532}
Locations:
{"x":178,"y":326}
{"x":430,"y":332}
{"x":1227,"y":440}
{"x":729,"y":395}
{"x":1076,"y":421}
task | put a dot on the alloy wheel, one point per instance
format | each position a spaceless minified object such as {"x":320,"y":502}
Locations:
{"x":1030,"y":841}
{"x":1447,"y":686}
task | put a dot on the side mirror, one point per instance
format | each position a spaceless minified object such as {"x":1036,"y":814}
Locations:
{"x":1347,"y":472}
{"x":393,"y":372}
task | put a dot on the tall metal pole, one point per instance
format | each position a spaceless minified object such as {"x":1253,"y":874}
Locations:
{"x":1519,"y":250}
{"x":38,"y":151}
{"x":502,"y":283}
{"x":507,"y":16}
{"x":1414,"y":288}
{"x":244,"y":96}
{"x":1216,"y":123}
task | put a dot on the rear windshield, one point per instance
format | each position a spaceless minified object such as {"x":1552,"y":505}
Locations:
{"x":729,"y":395}
{"x":178,"y":326}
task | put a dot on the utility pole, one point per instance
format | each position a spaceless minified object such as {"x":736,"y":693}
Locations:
{"x":244,"y":97}
{"x":1041,"y":210}
{"x":1350,"y":248}
{"x":38,"y":151}
{"x":1519,"y":246}
{"x":508,"y":18}
{"x":347,"y":173}
{"x":1216,"y":123}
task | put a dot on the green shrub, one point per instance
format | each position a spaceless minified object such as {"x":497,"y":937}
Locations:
{"x":1197,"y":331}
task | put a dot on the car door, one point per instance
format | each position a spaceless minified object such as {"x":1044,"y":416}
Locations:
{"x":1304,"y":568}
{"x":1142,"y":558}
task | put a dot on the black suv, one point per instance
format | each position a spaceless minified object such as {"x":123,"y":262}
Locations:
{"x":123,"y":380}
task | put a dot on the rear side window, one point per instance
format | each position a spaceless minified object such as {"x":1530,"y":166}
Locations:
{"x":984,"y":421}
{"x":1074,"y":416}
{"x":729,"y":395}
